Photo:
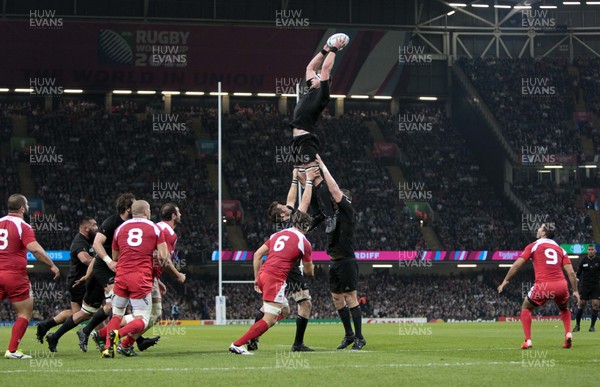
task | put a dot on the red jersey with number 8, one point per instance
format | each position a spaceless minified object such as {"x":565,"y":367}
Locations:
{"x":548,"y":260}
{"x":15,"y":235}
{"x":286,"y":247}
{"x":136,"y":239}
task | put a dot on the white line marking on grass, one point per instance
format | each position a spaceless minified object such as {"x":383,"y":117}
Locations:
{"x":332,"y":366}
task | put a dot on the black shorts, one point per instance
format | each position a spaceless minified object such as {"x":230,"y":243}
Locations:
{"x":589,"y":292}
{"x":94,"y":293}
{"x":103,"y":274}
{"x":343,"y":276}
{"x":76,"y":292}
{"x":305,"y":148}
{"x":94,"y":287}
{"x":295,"y":281}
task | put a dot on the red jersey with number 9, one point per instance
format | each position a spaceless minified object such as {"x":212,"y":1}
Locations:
{"x":548,"y":260}
{"x":286,"y":248}
{"x":136,"y":239}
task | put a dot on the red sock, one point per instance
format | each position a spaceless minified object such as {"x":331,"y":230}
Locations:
{"x":255,"y":330}
{"x":526,"y":322}
{"x":18,"y":331}
{"x":103,"y":332}
{"x":279,"y":317}
{"x":565,"y":316}
{"x":114,"y":323}
{"x":127,"y":342}
{"x":136,"y":326}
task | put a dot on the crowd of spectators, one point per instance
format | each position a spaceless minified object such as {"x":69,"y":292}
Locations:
{"x":87,"y":157}
{"x":385,"y":295}
{"x":258,"y":170}
{"x":589,"y":75}
{"x":468,"y":214}
{"x":531,"y":99}
{"x":556,"y":205}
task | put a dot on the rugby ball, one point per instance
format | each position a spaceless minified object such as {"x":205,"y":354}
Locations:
{"x":334,"y":37}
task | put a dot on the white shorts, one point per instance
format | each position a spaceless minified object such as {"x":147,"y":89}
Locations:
{"x":156,"y":290}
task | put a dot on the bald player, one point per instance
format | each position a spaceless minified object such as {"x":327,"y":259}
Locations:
{"x":133,"y":246}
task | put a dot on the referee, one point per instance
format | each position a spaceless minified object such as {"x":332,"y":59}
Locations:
{"x":588,"y":273}
{"x":343,"y":271}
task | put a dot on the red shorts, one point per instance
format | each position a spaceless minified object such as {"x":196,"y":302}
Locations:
{"x":272,"y":287}
{"x":15,"y":285}
{"x":542,"y":292}
{"x":133,"y":285}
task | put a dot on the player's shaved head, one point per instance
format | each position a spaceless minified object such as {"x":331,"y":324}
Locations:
{"x":15,"y":202}
{"x":139,"y":207}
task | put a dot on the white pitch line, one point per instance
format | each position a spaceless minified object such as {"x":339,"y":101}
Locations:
{"x":333,"y":366}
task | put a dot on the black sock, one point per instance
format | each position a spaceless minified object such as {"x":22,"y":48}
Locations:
{"x":95,"y":321}
{"x":67,"y":326}
{"x":357,"y":319}
{"x":48,"y":324}
{"x":301,"y":324}
{"x":259,"y":316}
{"x":594,"y":316}
{"x":579,"y":315}
{"x":345,"y":316}
{"x":325,"y":204}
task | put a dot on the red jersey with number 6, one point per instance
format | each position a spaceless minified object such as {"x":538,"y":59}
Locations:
{"x":286,"y":247}
{"x":136,"y":239}
{"x":548,"y":260}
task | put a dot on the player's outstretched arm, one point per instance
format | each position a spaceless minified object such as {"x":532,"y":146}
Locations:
{"x":311,"y":175}
{"x":572,"y":279}
{"x":293,"y":192}
{"x":334,"y":190}
{"x":330,"y":59}
{"x":513,"y":270}
{"x":328,"y":66}
{"x":315,"y":63}
{"x":40,"y":254}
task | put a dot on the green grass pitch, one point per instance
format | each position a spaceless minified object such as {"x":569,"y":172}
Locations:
{"x":463,"y":354}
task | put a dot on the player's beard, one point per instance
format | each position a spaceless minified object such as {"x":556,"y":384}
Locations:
{"x":26,"y":217}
